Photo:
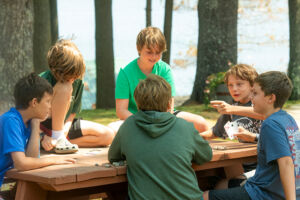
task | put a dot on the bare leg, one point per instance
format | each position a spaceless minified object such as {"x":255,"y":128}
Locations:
{"x":94,"y":135}
{"x":199,"y":122}
{"x":115,"y":125}
{"x":60,"y":104}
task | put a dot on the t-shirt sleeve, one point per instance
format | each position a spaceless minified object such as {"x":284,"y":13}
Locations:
{"x":218,"y":129}
{"x":122,"y":86}
{"x":168,"y":76}
{"x":12,"y":136}
{"x":203,"y":152}
{"x":77,"y":101}
{"x":274,"y":141}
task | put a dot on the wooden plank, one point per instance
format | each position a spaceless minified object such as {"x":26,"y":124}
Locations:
{"x":85,"y":184}
{"x":91,"y":172}
{"x":29,"y":190}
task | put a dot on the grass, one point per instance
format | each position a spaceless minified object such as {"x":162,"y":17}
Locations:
{"x":105,"y":116}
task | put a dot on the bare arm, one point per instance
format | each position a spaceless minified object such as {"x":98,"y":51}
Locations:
{"x":22,"y":162}
{"x":33,"y":148}
{"x":225,"y":108}
{"x":287,"y":176}
{"x":207,"y":134}
{"x":122,"y":108}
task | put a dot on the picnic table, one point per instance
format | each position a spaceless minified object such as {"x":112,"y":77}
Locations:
{"x":92,"y":174}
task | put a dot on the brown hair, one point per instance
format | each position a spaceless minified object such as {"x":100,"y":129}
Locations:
{"x":242,"y":71}
{"x":153,"y":93}
{"x":65,"y":61}
{"x":277,"y":83}
{"x":151,"y":37}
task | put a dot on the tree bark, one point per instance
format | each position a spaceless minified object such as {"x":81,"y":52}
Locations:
{"x":294,"y":63}
{"x":16,"y":56}
{"x":148,"y":13}
{"x":168,"y":29}
{"x":217,"y":41}
{"x":41,"y":35}
{"x":54,"y":21}
{"x":104,"y":55}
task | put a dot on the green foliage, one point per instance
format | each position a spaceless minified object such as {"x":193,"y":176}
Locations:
{"x":212,"y":83}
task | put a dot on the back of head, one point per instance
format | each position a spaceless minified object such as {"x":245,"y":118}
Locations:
{"x":242,"y":71}
{"x":277,"y":83}
{"x":65,"y":61}
{"x":30,"y":87}
{"x":153,"y":93}
{"x":151,"y":37}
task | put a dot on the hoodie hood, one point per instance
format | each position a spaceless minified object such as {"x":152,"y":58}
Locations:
{"x":154,"y":123}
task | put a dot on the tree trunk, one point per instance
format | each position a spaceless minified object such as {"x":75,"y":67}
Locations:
{"x":294,"y":63}
{"x":104,"y":55}
{"x":41,"y":35}
{"x":217,"y":41}
{"x":54,"y":21}
{"x":148,"y":13}
{"x":16,"y":56}
{"x":168,"y":29}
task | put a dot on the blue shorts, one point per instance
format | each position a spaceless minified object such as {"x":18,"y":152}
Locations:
{"x":236,"y":193}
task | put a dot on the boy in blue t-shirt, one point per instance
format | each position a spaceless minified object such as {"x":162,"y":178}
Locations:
{"x":20,"y":127}
{"x":277,"y":174}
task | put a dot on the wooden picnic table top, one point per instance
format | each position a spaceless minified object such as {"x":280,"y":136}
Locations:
{"x":90,"y":167}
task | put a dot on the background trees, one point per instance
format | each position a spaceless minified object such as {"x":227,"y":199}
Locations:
{"x":168,"y":29}
{"x":16,"y":30}
{"x":217,"y":41}
{"x":105,"y":72}
{"x":294,"y":63}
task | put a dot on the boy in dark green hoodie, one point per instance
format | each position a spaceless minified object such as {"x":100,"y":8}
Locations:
{"x":159,"y":147}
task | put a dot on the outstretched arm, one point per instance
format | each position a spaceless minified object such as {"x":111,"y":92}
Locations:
{"x":122,"y":108}
{"x":287,"y":176}
{"x":225,"y":108}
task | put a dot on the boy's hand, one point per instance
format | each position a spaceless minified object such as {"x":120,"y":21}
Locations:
{"x":222,"y":107}
{"x":63,"y":160}
{"x":245,"y":135}
{"x":47,"y":143}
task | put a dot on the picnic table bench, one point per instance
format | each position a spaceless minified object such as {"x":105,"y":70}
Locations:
{"x":92,"y":174}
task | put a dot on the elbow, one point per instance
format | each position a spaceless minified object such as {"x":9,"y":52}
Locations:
{"x":120,"y":114}
{"x":20,"y":166}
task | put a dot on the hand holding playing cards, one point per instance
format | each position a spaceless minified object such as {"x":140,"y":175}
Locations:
{"x":245,"y":135}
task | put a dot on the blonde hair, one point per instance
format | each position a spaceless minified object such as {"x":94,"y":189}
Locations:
{"x":153,"y":93}
{"x":151,"y":37}
{"x":65,"y":61}
{"x":242,"y":71}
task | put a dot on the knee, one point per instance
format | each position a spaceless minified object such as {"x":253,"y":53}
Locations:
{"x":106,"y":138}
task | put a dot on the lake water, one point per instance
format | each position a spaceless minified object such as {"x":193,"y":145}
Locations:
{"x":263,"y":35}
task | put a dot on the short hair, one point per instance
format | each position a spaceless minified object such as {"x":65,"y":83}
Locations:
{"x":153,"y":93}
{"x":151,"y":37}
{"x":242,"y":71}
{"x":30,"y":87}
{"x":277,"y":83}
{"x":65,"y":61}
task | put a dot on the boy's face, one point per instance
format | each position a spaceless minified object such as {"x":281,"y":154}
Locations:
{"x":259,"y":100}
{"x":149,"y":56}
{"x":239,"y":89}
{"x":42,"y":109}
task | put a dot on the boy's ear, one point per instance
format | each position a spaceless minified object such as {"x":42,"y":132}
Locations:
{"x":272,"y":98}
{"x":33,"y":102}
{"x":170,"y":106}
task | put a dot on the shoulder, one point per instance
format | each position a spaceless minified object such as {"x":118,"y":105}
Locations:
{"x":11,"y":118}
{"x":130,"y":66}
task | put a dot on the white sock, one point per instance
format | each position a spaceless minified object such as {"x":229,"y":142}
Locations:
{"x":57,"y":134}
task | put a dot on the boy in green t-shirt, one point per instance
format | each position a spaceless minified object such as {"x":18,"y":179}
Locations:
{"x":67,"y":68}
{"x":159,"y":147}
{"x":150,"y":45}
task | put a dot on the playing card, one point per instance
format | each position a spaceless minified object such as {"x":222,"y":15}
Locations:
{"x":231,"y":128}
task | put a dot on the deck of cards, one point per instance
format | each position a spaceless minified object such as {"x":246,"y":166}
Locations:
{"x":231,"y":128}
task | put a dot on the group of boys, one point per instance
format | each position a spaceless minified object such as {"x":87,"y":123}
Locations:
{"x":158,"y":145}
